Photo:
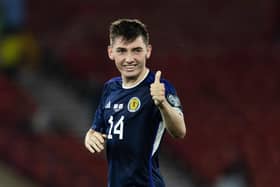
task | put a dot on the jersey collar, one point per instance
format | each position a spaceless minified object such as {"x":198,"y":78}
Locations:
{"x":133,"y":86}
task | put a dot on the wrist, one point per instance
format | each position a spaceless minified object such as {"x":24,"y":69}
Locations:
{"x":163,"y":104}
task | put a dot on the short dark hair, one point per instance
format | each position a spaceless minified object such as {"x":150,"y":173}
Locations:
{"x":129,"y":29}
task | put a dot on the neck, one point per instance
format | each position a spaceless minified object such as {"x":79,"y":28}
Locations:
{"x":128,"y":83}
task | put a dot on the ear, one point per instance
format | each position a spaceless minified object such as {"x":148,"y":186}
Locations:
{"x":110,"y":52}
{"x":149,"y":51}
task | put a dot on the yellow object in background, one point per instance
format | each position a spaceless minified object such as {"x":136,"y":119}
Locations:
{"x":11,"y":51}
{"x":19,"y":50}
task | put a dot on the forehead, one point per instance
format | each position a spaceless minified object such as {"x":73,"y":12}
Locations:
{"x":121,"y":42}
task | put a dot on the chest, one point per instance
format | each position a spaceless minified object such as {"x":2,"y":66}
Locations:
{"x":127,"y":103}
{"x":129,"y":115}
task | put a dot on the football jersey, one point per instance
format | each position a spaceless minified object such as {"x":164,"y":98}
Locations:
{"x":134,"y":129}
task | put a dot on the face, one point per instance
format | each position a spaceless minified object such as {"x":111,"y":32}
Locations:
{"x":130,"y":57}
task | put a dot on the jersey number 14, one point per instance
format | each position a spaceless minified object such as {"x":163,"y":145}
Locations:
{"x":117,"y":127}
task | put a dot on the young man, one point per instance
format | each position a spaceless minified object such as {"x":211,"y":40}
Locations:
{"x":134,"y":111}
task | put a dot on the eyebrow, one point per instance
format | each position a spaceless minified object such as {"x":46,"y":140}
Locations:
{"x":120,"y":48}
{"x":133,"y":49}
{"x":137,"y":48}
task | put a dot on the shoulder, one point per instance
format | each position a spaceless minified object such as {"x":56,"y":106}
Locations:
{"x":168,"y":86}
{"x":113,"y":80}
{"x":112,"y":83}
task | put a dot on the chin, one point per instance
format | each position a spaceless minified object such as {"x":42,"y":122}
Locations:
{"x":130,"y":75}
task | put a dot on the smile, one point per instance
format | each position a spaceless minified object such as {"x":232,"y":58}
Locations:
{"x":130,"y":66}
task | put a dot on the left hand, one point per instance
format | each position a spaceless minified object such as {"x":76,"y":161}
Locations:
{"x":157,"y":90}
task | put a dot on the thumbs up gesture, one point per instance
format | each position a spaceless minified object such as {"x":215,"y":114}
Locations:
{"x":157,"y":90}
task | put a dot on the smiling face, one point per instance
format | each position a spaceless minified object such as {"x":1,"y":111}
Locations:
{"x":130,"y":58}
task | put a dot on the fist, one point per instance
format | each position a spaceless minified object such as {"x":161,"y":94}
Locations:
{"x":157,"y":90}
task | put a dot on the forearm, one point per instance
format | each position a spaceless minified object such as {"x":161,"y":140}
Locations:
{"x":173,"y":119}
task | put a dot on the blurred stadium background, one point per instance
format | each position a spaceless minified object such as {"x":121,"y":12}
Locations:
{"x":222,"y":56}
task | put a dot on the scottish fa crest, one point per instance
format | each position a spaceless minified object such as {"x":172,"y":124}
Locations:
{"x":133,"y":104}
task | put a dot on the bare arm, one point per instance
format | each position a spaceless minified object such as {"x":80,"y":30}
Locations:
{"x":173,"y":118}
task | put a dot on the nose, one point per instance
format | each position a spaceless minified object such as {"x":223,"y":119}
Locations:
{"x":129,"y":58}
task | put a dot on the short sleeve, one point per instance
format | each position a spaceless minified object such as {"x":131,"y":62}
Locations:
{"x":171,"y":96}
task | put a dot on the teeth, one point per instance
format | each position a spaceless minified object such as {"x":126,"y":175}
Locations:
{"x":129,"y":65}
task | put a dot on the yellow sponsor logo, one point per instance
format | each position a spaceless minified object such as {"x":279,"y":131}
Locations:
{"x":133,"y":104}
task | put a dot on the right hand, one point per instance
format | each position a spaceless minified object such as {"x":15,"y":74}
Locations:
{"x":94,"y":141}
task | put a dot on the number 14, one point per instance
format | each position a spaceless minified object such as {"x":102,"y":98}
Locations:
{"x":118,"y":127}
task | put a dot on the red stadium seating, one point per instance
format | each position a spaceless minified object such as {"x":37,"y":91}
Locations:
{"x":231,"y":100}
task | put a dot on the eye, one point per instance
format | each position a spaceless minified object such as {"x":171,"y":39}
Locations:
{"x":138,"y":50}
{"x":121,"y":50}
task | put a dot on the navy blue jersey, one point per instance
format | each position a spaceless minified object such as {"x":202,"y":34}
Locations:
{"x":134,"y":129}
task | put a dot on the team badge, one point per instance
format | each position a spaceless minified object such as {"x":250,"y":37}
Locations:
{"x":133,"y":104}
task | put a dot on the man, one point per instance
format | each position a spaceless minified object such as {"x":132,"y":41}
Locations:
{"x":134,"y":111}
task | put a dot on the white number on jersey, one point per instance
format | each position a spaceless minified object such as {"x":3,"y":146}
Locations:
{"x":117,"y":128}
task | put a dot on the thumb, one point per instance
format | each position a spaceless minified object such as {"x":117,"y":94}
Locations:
{"x":104,"y":135}
{"x":157,"y":77}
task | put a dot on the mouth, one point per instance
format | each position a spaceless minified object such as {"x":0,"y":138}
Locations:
{"x":129,"y":67}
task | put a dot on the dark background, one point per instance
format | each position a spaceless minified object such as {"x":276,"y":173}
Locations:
{"x":222,"y":57}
